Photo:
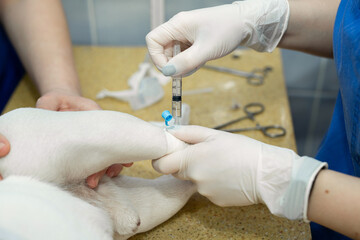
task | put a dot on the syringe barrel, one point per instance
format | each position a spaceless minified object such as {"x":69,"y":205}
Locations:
{"x":176,"y":86}
{"x":176,"y":89}
{"x":176,"y":96}
{"x":176,"y":111}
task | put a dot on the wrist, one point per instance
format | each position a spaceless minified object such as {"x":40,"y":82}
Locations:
{"x":61,"y":88}
{"x":57,"y":77}
{"x":285,"y":180}
{"x":296,"y":198}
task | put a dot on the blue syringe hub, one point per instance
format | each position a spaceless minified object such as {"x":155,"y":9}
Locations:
{"x":166,"y":115}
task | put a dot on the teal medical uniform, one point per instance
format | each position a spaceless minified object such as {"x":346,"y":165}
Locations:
{"x":341,"y":146}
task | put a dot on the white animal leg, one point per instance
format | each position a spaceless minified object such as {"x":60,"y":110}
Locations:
{"x":63,"y":147}
{"x":117,"y":203}
{"x":155,"y":200}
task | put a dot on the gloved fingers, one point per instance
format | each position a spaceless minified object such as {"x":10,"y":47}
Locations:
{"x":187,"y":62}
{"x":169,"y":164}
{"x":173,"y":144}
{"x":192,"y":134}
{"x":169,"y":49}
{"x":4,"y":146}
{"x":158,"y":53}
{"x":169,"y":56}
{"x":160,"y":43}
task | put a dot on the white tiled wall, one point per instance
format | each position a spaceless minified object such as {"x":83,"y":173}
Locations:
{"x":126,"y":22}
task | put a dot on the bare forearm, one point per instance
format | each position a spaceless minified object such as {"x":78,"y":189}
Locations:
{"x":39,"y":33}
{"x":334,"y":203}
{"x":310,"y":27}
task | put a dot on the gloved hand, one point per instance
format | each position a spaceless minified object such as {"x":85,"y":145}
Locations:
{"x":214,"y":32}
{"x":234,"y":170}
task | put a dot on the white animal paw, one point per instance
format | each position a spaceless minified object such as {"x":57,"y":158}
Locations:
{"x":126,"y":221}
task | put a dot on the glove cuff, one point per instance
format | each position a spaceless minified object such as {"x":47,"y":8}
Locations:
{"x":267,"y":23}
{"x":295,"y":200}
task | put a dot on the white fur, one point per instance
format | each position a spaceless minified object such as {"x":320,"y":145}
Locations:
{"x":30,"y":209}
{"x":44,"y":195}
{"x":65,"y":147}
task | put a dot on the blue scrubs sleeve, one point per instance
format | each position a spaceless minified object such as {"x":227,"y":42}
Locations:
{"x":11,"y":69}
{"x":341,"y":146}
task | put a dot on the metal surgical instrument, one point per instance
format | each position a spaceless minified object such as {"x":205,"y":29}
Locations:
{"x":176,"y":89}
{"x":251,"y":110}
{"x":256,"y":77}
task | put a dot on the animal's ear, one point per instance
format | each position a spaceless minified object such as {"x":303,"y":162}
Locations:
{"x":35,"y":210}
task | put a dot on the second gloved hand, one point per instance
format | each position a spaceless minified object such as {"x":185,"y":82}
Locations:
{"x":234,"y":170}
{"x":212,"y":33}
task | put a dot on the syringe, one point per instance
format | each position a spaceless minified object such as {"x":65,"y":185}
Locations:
{"x":176,"y":89}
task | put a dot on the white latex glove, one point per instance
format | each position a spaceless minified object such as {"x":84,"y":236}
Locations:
{"x":212,"y":33}
{"x":64,"y":147}
{"x":234,"y":170}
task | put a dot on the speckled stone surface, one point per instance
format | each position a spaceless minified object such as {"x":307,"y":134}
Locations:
{"x":110,"y":67}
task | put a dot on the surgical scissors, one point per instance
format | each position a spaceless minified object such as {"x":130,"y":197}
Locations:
{"x":256,"y":77}
{"x":251,"y":110}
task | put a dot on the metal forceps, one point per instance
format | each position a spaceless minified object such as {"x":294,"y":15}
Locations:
{"x":251,"y":110}
{"x":256,"y":77}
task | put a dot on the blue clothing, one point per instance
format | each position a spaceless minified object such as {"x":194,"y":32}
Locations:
{"x":341,"y":146}
{"x":11,"y":69}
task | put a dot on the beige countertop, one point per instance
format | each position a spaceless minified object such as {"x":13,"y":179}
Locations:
{"x":109,"y":68}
